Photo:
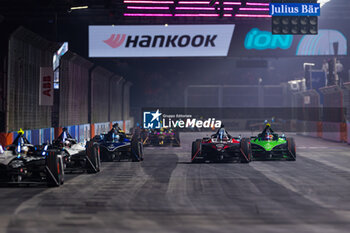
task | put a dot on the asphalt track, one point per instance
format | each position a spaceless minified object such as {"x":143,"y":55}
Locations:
{"x":166,"y":193}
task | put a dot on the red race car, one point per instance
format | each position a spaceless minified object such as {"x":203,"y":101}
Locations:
{"x":221,"y":147}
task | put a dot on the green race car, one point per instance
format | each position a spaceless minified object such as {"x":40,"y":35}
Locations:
{"x":270,"y":146}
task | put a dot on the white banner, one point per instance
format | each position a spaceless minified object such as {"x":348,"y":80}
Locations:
{"x":46,"y":86}
{"x":160,"y":40}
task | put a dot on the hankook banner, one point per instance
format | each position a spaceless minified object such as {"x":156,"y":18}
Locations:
{"x":160,"y":40}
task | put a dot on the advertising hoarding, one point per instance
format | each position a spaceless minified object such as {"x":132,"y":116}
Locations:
{"x":160,"y":40}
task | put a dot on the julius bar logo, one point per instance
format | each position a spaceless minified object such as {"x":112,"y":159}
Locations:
{"x":161,"y":41}
{"x":295,"y":9}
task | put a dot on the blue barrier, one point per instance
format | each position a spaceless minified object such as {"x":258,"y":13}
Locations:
{"x":80,"y":132}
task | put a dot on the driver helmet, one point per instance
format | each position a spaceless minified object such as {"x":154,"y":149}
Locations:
{"x":269,"y":136}
{"x":25,"y":149}
{"x":222,"y":134}
{"x":116,"y":137}
{"x":66,"y":143}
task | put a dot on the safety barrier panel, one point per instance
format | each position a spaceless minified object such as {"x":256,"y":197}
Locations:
{"x":128,"y":125}
{"x":37,"y":136}
{"x":348,"y":133}
{"x":346,"y":103}
{"x":312,"y":128}
{"x":307,"y":110}
{"x":102,"y":128}
{"x":80,"y":132}
{"x":331,"y":131}
{"x":333,"y":116}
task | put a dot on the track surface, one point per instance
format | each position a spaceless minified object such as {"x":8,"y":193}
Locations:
{"x":167,"y":194}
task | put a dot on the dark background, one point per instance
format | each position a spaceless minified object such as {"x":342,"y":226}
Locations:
{"x":161,"y":81}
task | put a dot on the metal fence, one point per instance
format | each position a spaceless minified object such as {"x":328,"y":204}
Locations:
{"x":307,"y":112}
{"x":74,"y":90}
{"x":126,"y":100}
{"x":235,"y":96}
{"x":27,"y":53}
{"x":333,"y":116}
{"x":86,"y":94}
{"x":116,"y":97}
{"x":100,"y":87}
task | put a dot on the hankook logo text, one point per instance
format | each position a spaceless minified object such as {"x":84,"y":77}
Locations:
{"x":161,"y":41}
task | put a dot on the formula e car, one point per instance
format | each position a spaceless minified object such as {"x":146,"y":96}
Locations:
{"x":24,"y":163}
{"x":221,"y":147}
{"x":161,"y":137}
{"x":271,"y":146}
{"x":120,"y":146}
{"x":79,"y":157}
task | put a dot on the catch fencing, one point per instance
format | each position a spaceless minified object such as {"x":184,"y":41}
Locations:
{"x":307,"y":112}
{"x":333,"y":122}
{"x":88,"y":99}
{"x":116,"y":94}
{"x":100,"y":86}
{"x":74,"y":90}
{"x":247,"y":105}
{"x":27,"y":53}
{"x":235,"y":96}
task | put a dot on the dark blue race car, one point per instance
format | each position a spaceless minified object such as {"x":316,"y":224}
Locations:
{"x":119,"y":146}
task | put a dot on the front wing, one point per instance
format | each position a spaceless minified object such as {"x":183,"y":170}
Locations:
{"x":279,"y":152}
{"x":227,"y":152}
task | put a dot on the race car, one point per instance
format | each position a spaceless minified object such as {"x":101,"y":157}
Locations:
{"x":117,"y":146}
{"x":161,"y":137}
{"x":221,"y":147}
{"x":77,"y":157}
{"x":270,"y":146}
{"x":23,"y":163}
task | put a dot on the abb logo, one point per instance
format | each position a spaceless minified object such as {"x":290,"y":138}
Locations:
{"x":47,"y":86}
{"x":115,"y":41}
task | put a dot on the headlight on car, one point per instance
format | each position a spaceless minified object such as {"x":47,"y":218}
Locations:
{"x":16,"y":164}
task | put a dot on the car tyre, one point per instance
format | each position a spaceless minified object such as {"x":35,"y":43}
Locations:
{"x":246,"y":150}
{"x":93,"y":154}
{"x":54,"y":169}
{"x":196,"y":149}
{"x":291,"y":149}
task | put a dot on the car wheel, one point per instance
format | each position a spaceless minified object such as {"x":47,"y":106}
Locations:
{"x":246,"y":151}
{"x":291,"y":149}
{"x":92,"y":155}
{"x":195,"y":151}
{"x":135,"y":151}
{"x":54,"y":169}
